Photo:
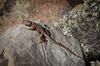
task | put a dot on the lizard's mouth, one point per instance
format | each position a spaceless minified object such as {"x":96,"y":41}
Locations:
{"x":28,"y":23}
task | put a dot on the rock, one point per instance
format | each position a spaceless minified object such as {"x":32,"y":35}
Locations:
{"x":22,"y":48}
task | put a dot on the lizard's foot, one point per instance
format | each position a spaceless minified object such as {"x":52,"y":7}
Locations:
{"x":43,"y":40}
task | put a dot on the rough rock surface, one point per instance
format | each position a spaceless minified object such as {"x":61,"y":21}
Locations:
{"x":21,"y":47}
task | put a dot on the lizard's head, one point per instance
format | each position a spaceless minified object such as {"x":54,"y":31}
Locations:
{"x":30,"y":24}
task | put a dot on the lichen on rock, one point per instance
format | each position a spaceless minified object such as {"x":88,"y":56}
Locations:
{"x":84,"y":25}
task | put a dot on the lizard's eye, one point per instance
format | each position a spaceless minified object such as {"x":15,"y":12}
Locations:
{"x":28,"y":24}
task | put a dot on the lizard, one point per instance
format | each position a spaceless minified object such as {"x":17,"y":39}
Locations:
{"x":46,"y":33}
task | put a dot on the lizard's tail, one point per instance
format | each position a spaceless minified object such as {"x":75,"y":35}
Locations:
{"x":69,"y":50}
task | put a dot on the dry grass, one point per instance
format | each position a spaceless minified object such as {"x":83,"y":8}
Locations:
{"x":43,"y":10}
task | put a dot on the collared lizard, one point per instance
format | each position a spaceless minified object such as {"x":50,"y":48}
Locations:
{"x":46,"y":33}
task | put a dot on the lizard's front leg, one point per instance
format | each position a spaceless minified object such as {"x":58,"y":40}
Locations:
{"x":42,"y":38}
{"x":32,"y":28}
